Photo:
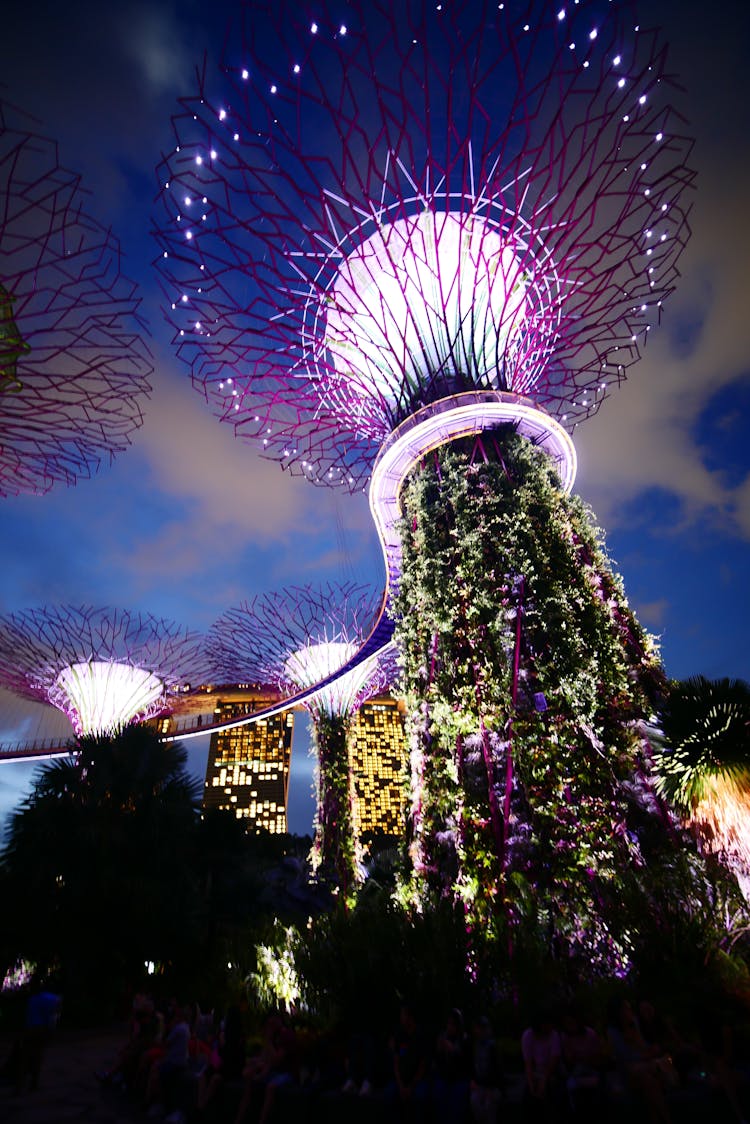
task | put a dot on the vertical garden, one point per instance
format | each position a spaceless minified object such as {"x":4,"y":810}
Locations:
{"x":527,"y":679}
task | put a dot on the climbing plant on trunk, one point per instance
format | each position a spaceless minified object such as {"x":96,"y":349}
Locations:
{"x":335,"y":843}
{"x":525,"y":672}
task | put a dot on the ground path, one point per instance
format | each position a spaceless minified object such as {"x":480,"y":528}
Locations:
{"x":68,"y":1089}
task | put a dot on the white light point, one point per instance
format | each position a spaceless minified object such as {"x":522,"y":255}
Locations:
{"x":309,"y":665}
{"x":434,"y":291}
{"x":101,"y":698}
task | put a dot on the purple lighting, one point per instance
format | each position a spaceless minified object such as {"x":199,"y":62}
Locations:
{"x":294,"y":638}
{"x":103,"y":667}
{"x":440,"y":202}
{"x":438,"y":424}
{"x":74,"y":367}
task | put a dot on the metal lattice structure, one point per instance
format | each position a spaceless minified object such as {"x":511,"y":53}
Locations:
{"x":360,"y":221}
{"x":296,"y":637}
{"x":74,"y":364}
{"x":103,"y":667}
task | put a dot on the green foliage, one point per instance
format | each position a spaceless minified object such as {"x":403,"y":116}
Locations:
{"x":688,"y":915}
{"x":109,"y":865}
{"x":12,"y":346}
{"x":276,"y":981}
{"x":99,"y":864}
{"x":487,"y":535}
{"x":335,"y":848}
{"x":359,"y":963}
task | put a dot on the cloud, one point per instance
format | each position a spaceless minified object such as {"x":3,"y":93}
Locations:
{"x":190,"y":455}
{"x":152,"y":39}
{"x":191,"y":509}
{"x":653,"y":613}
{"x":646,"y":436}
{"x":742,"y":507}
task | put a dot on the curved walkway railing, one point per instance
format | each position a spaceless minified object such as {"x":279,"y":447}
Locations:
{"x":460,"y":415}
{"x":42,"y":750}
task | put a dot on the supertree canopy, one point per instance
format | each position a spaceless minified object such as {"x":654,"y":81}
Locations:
{"x":74,"y":365}
{"x":104,"y":668}
{"x":363,"y":219}
{"x":294,"y":639}
{"x":417,"y":248}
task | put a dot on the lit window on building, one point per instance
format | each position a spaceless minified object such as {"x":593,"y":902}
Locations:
{"x":251,"y":763}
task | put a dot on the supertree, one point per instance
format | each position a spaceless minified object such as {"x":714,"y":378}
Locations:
{"x":418,"y":248}
{"x":74,"y":365}
{"x":104,"y":668}
{"x":293,"y":639}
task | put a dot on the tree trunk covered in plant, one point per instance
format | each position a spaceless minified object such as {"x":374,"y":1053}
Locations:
{"x":335,"y":846}
{"x":524,"y":670}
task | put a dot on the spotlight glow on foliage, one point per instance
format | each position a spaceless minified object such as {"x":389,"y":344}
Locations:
{"x":101,"y":698}
{"x":276,"y":979}
{"x":704,"y":769}
{"x":721,"y":820}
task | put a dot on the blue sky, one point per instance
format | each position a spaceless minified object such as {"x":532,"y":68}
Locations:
{"x":188,"y":521}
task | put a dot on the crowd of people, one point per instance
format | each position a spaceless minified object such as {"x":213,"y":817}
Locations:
{"x":184,"y":1064}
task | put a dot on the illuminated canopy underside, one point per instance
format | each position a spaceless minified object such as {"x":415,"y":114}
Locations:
{"x":423,"y":298}
{"x":101,"y":698}
{"x":315,"y":662}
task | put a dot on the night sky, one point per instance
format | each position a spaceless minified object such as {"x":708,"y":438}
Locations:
{"x":188,"y":521}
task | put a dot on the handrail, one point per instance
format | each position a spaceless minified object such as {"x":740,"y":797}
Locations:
{"x":460,"y":415}
{"x":44,"y":749}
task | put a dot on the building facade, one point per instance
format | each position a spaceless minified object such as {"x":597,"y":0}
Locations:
{"x":248,"y":767}
{"x":378,"y":762}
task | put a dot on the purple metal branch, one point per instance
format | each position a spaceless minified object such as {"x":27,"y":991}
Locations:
{"x":74,"y":365}
{"x":254,"y":641}
{"x":322,"y":179}
{"x":38,"y":644}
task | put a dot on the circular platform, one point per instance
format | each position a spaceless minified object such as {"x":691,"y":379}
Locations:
{"x":440,"y":423}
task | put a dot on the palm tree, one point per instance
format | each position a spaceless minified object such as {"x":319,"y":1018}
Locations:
{"x":98,"y":870}
{"x":704,"y":769}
